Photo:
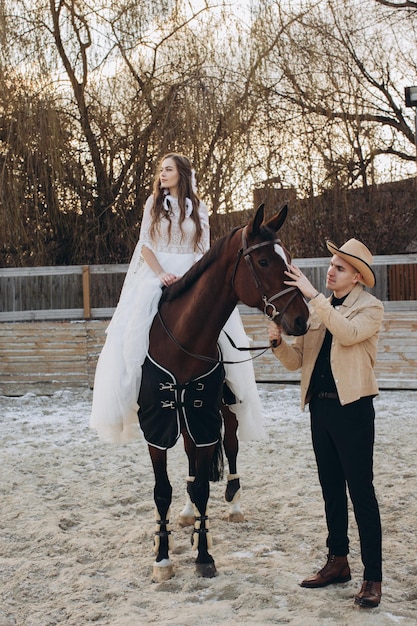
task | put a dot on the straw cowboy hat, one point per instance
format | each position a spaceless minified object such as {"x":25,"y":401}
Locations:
{"x":358,"y":255}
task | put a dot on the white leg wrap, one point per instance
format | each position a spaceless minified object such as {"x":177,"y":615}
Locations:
{"x":234,"y":506}
{"x":188,"y":509}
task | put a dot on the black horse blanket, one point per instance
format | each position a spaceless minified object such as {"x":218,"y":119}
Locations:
{"x":164,"y":404}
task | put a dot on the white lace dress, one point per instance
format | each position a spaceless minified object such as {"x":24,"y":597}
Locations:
{"x":119,"y":368}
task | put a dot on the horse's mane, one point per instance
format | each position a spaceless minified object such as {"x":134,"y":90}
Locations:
{"x":183,"y":284}
{"x":194,"y":273}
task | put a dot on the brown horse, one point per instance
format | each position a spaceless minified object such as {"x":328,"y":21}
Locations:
{"x":183,"y":375}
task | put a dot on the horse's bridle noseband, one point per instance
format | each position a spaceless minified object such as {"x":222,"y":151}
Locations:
{"x":270,"y":310}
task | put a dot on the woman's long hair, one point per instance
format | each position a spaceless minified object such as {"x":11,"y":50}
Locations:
{"x":185,"y":190}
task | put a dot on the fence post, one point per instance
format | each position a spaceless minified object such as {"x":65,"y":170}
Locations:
{"x":86,"y":292}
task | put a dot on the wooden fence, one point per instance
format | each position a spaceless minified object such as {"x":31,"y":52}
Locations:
{"x":402,"y":282}
{"x":91,"y":292}
{"x":54,"y":321}
{"x":43,"y":357}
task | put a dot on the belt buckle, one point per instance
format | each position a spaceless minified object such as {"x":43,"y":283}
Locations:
{"x":327,"y":395}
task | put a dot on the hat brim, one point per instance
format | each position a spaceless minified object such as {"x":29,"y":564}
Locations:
{"x":368,"y":276}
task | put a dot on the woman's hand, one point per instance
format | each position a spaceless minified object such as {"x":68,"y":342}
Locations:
{"x":167,"y":278}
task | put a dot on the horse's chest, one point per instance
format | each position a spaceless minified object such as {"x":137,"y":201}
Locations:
{"x":164,"y":405}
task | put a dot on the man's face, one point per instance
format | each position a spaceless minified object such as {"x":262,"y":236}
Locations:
{"x":341,"y":276}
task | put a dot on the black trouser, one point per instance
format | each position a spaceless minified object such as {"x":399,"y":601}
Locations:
{"x":343,"y":442}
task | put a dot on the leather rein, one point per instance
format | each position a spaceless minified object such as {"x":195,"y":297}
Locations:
{"x":270,"y":311}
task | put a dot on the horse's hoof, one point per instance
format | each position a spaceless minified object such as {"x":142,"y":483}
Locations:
{"x":186,"y":520}
{"x":236,"y":517}
{"x":162,"y":571}
{"x":206,"y":570}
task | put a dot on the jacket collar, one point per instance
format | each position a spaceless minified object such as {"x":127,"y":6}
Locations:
{"x":352,"y":295}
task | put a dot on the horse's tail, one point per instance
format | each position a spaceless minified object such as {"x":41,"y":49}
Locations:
{"x":217,"y":463}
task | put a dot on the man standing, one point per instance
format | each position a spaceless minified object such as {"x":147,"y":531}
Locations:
{"x":337,"y":359}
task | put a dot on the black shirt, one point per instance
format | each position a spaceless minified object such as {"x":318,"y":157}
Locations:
{"x":322,"y":377}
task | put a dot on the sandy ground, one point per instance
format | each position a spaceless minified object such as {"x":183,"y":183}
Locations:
{"x":77,"y":524}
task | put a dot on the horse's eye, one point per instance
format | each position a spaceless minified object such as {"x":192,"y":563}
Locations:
{"x":263,"y":262}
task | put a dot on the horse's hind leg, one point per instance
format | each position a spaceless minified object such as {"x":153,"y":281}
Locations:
{"x":187,"y":517}
{"x":232,"y":493}
{"x":231,"y":448}
{"x":163,"y":542}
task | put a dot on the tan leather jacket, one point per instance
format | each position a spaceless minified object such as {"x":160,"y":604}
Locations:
{"x":355,"y":327}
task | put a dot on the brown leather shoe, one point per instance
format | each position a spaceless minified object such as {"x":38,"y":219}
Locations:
{"x":336,"y":570}
{"x":369,"y":595}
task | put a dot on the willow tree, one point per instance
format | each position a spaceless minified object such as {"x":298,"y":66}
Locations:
{"x":116,"y":87}
{"x":337,"y":72}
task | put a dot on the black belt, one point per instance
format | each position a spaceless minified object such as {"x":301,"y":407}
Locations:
{"x":328,"y":395}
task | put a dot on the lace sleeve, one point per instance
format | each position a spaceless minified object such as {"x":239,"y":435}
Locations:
{"x":204,"y":243}
{"x":145,"y":236}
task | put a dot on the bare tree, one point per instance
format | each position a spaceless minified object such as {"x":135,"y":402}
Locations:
{"x":128,"y":83}
{"x":340,"y":67}
{"x":306,"y":97}
{"x":337,"y":73}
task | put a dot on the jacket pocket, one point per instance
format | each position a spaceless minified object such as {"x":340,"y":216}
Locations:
{"x":314,"y":325}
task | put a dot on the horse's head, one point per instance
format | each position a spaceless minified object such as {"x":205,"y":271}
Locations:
{"x":259,"y":274}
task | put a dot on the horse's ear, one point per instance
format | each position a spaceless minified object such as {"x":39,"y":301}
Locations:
{"x":255,"y":224}
{"x":276,"y":222}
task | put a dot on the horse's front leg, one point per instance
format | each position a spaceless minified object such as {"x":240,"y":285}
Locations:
{"x":199,"y":491}
{"x":163,"y":542}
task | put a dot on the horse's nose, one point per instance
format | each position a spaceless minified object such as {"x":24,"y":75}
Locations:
{"x":300,"y":325}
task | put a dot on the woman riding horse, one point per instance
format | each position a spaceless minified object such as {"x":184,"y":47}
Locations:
{"x":174,"y":235}
{"x":183,"y":373}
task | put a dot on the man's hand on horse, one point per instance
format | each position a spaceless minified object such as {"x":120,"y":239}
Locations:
{"x":275,"y":334}
{"x":299,"y":280}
